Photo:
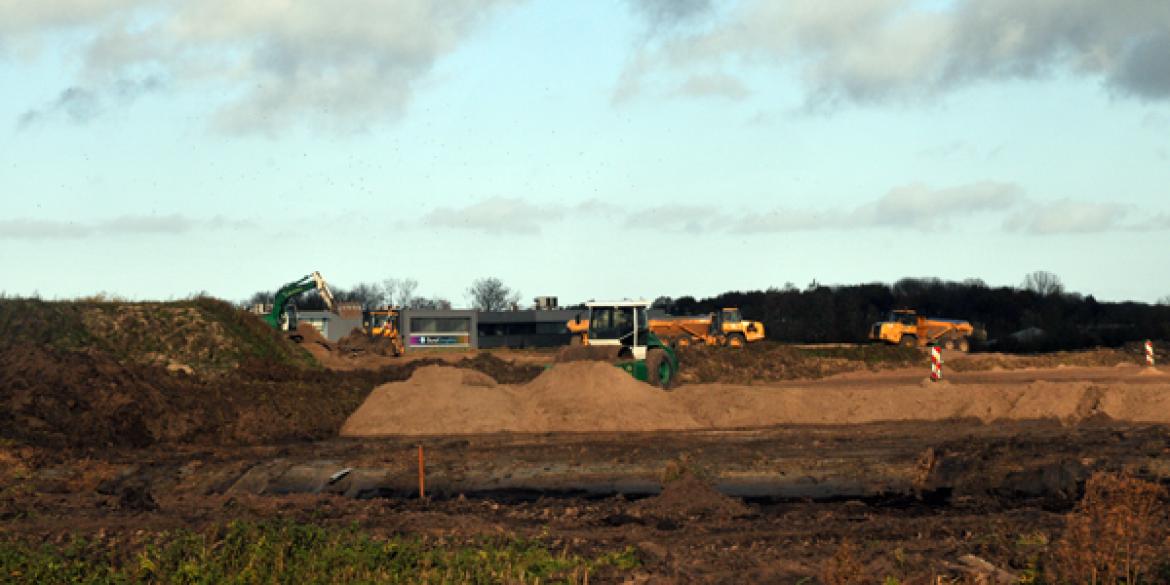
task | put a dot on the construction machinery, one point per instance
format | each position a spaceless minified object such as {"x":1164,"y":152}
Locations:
{"x":619,"y":332}
{"x":384,"y":324}
{"x":726,"y":327}
{"x":907,"y":328}
{"x":284,"y":314}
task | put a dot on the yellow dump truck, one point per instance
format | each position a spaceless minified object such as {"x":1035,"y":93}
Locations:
{"x":907,"y":328}
{"x":726,"y":327}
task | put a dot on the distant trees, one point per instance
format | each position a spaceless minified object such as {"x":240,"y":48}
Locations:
{"x":400,"y":292}
{"x":490,"y":294}
{"x":844,"y":314}
{"x":1043,"y":283}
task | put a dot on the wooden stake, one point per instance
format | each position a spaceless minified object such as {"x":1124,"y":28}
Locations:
{"x":422,"y":475}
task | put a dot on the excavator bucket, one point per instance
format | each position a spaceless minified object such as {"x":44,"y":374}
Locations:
{"x":323,"y":289}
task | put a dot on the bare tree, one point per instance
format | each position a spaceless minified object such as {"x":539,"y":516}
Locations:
{"x":1164,"y":301}
{"x":490,"y":294}
{"x":1043,"y":283}
{"x":366,"y":293}
{"x":389,"y":289}
{"x":406,"y":288}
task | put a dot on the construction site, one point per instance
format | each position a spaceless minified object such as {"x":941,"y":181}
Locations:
{"x":708,"y":454}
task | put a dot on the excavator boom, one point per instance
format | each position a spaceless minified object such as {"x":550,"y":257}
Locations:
{"x":291,"y":290}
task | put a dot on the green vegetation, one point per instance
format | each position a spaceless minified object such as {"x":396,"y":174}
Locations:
{"x":287,"y":552}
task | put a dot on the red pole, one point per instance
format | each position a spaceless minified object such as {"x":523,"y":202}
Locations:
{"x":422,"y":475}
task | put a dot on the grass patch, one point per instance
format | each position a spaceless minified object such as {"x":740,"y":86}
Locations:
{"x":288,"y":552}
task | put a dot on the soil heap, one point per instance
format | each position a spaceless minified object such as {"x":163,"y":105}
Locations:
{"x":579,"y":396}
{"x":689,"y":497}
{"x":596,"y":396}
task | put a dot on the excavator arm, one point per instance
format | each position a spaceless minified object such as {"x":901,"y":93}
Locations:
{"x":294,"y":288}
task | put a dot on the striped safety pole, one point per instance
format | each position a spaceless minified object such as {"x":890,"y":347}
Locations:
{"x":936,"y":363}
{"x":1149,"y":353}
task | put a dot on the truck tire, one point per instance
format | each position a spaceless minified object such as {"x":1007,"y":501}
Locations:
{"x":659,"y":372}
{"x":908,"y":341}
{"x":964,"y":345}
{"x":736,"y":340}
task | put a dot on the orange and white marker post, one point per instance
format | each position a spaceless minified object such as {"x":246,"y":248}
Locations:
{"x":936,"y":363}
{"x":1150,"y":353}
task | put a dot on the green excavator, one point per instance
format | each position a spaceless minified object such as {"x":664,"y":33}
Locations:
{"x":284,"y":315}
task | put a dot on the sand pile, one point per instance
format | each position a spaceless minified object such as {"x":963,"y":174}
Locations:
{"x":594,"y":396}
{"x":581,"y":396}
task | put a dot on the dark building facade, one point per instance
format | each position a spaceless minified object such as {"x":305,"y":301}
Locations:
{"x":522,"y":329}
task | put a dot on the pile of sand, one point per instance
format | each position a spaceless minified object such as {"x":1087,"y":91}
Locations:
{"x":581,"y":396}
{"x":595,"y":396}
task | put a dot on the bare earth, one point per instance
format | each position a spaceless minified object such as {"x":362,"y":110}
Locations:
{"x":592,"y":396}
{"x":916,"y":474}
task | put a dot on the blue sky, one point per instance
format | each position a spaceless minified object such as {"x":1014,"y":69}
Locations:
{"x":629,"y":148}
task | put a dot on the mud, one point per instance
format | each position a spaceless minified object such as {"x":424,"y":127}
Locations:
{"x":357,"y":344}
{"x":926,"y":495}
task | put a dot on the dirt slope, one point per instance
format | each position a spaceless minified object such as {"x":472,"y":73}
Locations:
{"x":591,"y":396}
{"x":92,"y":375}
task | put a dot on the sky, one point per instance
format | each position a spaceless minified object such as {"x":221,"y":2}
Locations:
{"x":153,"y":149}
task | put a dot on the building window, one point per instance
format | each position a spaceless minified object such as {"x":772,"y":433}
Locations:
{"x":440,"y":325}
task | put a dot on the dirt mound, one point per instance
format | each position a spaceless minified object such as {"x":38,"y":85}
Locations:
{"x":357,"y":343}
{"x":593,"y":396}
{"x":596,"y":396}
{"x":435,"y":397}
{"x":206,"y":335}
{"x":1101,"y":357}
{"x":309,"y":335}
{"x":690,"y":497}
{"x":583,"y":396}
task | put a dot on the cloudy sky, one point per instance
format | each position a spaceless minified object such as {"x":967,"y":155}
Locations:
{"x":619,"y":148}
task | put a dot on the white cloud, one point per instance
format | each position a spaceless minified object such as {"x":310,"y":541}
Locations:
{"x":714,"y":85}
{"x":888,"y":50}
{"x":1070,"y":217}
{"x":496,"y":215}
{"x":975,"y":207}
{"x":125,"y":225}
{"x":342,"y":65}
{"x":914,"y":206}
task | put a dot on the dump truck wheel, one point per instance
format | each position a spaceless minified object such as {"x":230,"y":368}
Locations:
{"x":964,"y":345}
{"x":909,"y":341}
{"x":736,"y":340}
{"x":659,"y":371}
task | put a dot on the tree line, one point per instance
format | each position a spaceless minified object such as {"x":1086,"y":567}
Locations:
{"x":1039,"y":315}
{"x":484,"y":294}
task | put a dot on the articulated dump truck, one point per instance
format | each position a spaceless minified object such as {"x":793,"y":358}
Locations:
{"x":726,"y":327}
{"x":723,"y":328}
{"x":909,"y":329}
